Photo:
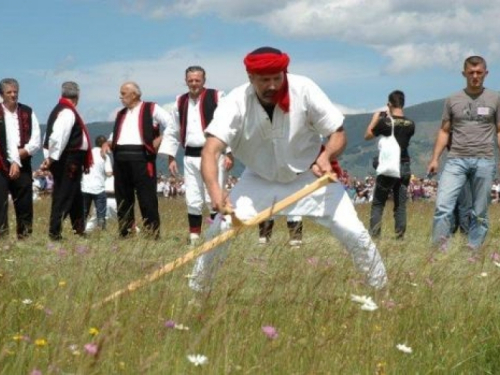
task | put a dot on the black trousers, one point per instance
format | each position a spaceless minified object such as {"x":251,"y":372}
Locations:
{"x":384,"y":185}
{"x":21,"y":191}
{"x":136,"y":177}
{"x":4,"y":203}
{"x":67,"y":197}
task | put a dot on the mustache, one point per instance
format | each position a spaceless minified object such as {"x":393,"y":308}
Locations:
{"x":269,"y":93}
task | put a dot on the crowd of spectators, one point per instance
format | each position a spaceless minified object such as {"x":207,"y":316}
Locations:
{"x":359,"y":190}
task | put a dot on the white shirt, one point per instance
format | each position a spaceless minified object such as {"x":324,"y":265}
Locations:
{"x":12,"y":151}
{"x":61,"y":132}
{"x":130,"y":133}
{"x":12,"y":120}
{"x":195,"y":136}
{"x":277,"y":150}
{"x":93,"y":182}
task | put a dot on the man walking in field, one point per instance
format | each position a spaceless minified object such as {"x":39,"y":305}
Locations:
{"x":274,"y":125}
{"x":473,"y":116}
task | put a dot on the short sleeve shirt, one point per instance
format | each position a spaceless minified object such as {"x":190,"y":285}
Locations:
{"x":473,"y":123}
{"x":404,"y":129}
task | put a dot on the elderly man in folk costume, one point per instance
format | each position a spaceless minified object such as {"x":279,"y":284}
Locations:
{"x":135,"y":141}
{"x":275,"y":124}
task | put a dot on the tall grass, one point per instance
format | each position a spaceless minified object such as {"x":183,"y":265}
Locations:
{"x":445,"y":306}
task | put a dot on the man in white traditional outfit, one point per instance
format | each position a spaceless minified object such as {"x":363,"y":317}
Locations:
{"x":274,"y":125}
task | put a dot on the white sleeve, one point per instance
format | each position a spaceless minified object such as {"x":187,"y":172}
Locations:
{"x":171,"y":135}
{"x":322,"y":114}
{"x":61,"y":132}
{"x":227,"y":121}
{"x":12,"y":150}
{"x":35,"y":141}
{"x":108,"y":167}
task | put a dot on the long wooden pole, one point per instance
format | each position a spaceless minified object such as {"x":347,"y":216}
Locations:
{"x":223,"y":237}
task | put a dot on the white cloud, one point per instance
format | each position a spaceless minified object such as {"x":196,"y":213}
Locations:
{"x":162,"y":78}
{"x":431,"y":31}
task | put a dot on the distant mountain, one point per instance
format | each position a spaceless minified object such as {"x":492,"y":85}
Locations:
{"x":357,"y":158}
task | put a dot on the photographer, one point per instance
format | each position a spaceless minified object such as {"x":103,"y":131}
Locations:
{"x":404,"y":128}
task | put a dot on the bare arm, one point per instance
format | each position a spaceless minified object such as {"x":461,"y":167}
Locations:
{"x":369,"y":130}
{"x":210,"y":170}
{"x":333,"y":148}
{"x":441,"y":142}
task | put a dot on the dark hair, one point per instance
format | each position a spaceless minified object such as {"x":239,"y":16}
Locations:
{"x":100,"y":140}
{"x":397,"y":99}
{"x":474,"y":60}
{"x":261,"y":50}
{"x":195,"y":68}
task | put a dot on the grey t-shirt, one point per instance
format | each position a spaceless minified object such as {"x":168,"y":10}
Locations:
{"x":473,"y":123}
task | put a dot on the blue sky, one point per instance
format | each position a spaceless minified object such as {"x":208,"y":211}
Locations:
{"x":356,"y":50}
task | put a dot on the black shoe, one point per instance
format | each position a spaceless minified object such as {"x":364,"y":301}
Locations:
{"x":55,"y":237}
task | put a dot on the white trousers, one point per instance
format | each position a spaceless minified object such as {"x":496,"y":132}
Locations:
{"x":196,"y":192}
{"x":330,"y":206}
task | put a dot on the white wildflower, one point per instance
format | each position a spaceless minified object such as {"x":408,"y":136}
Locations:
{"x":197,"y":359}
{"x":361,"y":299}
{"x":369,"y":307}
{"x":497,"y":264}
{"x":181,"y":327}
{"x":27,"y":301}
{"x":483,"y":274}
{"x":405,"y":349}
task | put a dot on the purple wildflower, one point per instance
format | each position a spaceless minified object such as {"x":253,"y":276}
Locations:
{"x":82,"y":249}
{"x":170,"y":324}
{"x":91,"y":348}
{"x":495,"y":257}
{"x":313,"y":261}
{"x":36,"y":371}
{"x":270,"y":332}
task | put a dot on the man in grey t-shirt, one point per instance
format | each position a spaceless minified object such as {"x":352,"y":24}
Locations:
{"x":473,"y":116}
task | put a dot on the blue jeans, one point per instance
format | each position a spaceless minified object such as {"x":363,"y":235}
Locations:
{"x":479,"y":173}
{"x":100,"y":207}
{"x":462,"y":211}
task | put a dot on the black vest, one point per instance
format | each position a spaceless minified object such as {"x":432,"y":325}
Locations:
{"x":76,"y":135}
{"x":3,"y":143}
{"x":147,"y":129}
{"x":208,"y":104}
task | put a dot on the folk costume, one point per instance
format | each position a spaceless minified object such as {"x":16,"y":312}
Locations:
{"x":8,"y":154}
{"x":68,"y":143}
{"x":278,"y":155}
{"x":192,"y":116}
{"x":134,"y":167}
{"x":26,"y":133}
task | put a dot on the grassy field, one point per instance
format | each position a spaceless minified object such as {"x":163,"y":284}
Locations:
{"x":444,"y":306}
